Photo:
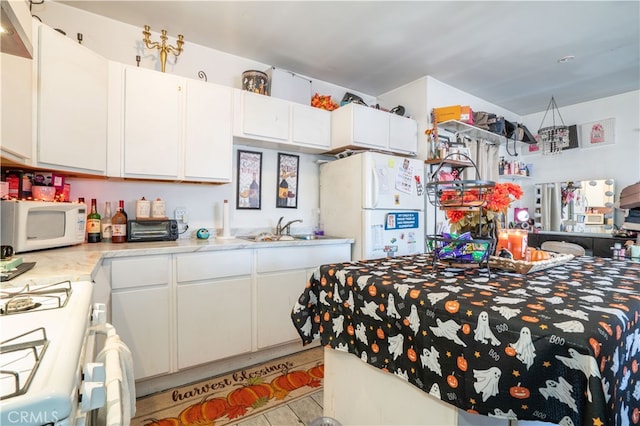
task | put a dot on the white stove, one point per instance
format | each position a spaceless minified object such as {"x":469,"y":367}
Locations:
{"x":47,"y":351}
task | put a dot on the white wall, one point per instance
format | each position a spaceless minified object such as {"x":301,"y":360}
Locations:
{"x":620,"y":161}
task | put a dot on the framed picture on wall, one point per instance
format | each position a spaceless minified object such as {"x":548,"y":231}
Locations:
{"x":287,"y":190}
{"x":248,"y":192}
{"x":598,"y":133}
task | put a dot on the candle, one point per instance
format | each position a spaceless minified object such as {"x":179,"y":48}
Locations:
{"x":515,"y":242}
{"x":503,"y":241}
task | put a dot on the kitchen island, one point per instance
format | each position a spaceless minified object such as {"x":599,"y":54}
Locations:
{"x":560,"y":345}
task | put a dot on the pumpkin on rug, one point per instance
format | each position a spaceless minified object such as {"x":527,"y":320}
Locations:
{"x":235,"y":396}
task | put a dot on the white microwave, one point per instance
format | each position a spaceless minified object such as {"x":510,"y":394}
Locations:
{"x":594,"y":219}
{"x":37,"y":225}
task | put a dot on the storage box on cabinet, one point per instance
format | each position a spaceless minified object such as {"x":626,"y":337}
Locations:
{"x":213,"y":305}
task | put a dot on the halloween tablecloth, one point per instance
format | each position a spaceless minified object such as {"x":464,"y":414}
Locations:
{"x":560,"y":345}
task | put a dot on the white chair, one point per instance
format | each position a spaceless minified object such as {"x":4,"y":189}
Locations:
{"x":562,"y":247}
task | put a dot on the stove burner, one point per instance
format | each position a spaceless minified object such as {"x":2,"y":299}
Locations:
{"x":20,"y":357}
{"x":19,"y":304}
{"x":28,"y":299}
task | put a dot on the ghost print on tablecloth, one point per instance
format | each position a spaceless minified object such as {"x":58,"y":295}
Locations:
{"x":487,"y":382}
{"x":483,"y":331}
{"x":525,"y":351}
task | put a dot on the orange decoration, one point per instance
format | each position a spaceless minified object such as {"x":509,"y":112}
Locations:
{"x":316,"y":372}
{"x":415,"y":293}
{"x":452,"y":306}
{"x":452,"y":381}
{"x":635,"y":415}
{"x":375,"y":348}
{"x":519,"y":392}
{"x":350,"y":330}
{"x":529,"y":318}
{"x":380,"y":333}
{"x":411,"y":354}
{"x":462,"y":363}
{"x":372,"y":290}
{"x":509,"y":350}
{"x":327,"y":317}
{"x":466,"y":328}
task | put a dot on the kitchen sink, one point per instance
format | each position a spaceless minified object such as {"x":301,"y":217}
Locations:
{"x":267,"y":237}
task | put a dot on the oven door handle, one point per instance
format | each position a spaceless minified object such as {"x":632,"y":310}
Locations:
{"x":119,"y":379}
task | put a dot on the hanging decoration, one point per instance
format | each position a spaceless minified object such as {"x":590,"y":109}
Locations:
{"x":556,"y":136}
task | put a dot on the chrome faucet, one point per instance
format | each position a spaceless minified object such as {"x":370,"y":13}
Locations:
{"x":286,"y":228}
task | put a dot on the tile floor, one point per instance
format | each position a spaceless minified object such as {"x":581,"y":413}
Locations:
{"x":300,"y":412}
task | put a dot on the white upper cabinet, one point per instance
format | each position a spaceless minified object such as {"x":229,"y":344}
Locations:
{"x":264,"y":117}
{"x":152,"y":124}
{"x":168,"y":127}
{"x":277,"y":123}
{"x":403,"y":135}
{"x":208,"y":142}
{"x":311,"y":126}
{"x":358,"y":126}
{"x":16,"y":125}
{"x":72,"y":105}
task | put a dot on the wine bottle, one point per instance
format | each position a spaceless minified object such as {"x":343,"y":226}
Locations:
{"x":93,"y":224}
{"x":119,"y":225}
{"x":121,"y":207}
{"x":106,"y":222}
{"x":283,"y":192}
{"x":254,"y":193}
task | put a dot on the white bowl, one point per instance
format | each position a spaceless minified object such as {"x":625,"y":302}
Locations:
{"x":44,"y":193}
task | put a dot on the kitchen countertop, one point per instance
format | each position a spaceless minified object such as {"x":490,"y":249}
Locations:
{"x":81,"y":262}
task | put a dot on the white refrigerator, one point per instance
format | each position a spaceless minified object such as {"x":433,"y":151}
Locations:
{"x":376,"y":199}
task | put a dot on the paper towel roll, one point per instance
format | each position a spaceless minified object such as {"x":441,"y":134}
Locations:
{"x":226,"y":230}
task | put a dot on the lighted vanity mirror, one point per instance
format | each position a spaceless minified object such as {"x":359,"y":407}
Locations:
{"x":577,"y":206}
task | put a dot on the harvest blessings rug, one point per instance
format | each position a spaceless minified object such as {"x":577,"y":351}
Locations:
{"x":236,"y":396}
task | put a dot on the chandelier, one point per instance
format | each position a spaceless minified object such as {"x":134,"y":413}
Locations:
{"x":555,"y":136}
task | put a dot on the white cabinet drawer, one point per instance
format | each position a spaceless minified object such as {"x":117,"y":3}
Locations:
{"x":203,"y":266}
{"x":140,"y":271}
{"x":287,"y":258}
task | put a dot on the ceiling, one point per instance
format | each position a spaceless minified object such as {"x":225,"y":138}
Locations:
{"x":504,"y":52}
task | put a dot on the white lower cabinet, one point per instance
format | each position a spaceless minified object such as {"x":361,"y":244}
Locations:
{"x":177,"y":311}
{"x":140,"y":311}
{"x":281,"y":275}
{"x":213,"y":306}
